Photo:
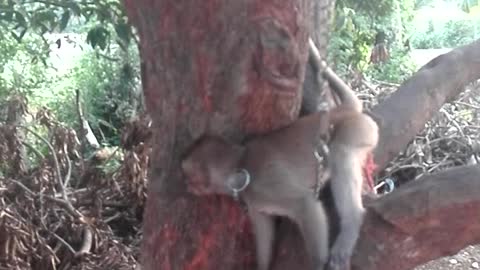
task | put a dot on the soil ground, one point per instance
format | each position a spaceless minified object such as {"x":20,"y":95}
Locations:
{"x":468,"y":258}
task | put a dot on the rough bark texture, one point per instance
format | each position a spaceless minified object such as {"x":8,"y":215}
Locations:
{"x":407,"y":110}
{"x":432,"y":217}
{"x":231,"y":68}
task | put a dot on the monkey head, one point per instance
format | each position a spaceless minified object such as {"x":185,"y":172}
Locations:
{"x":211,"y":164}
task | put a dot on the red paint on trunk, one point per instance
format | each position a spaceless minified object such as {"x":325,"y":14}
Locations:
{"x":368,"y":171}
{"x":203,"y":69}
{"x":204,"y":250}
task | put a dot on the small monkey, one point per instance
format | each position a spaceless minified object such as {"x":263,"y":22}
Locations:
{"x":354,"y":136}
{"x":275,"y":175}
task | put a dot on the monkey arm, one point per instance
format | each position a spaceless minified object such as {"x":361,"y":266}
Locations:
{"x":432,"y":217}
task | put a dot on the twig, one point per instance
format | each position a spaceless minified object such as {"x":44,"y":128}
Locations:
{"x":442,"y":162}
{"x":453,"y":122}
{"x":87,"y":242}
{"x":87,"y":233}
{"x":468,"y":105}
{"x":111,"y":155}
{"x":386,"y":83}
{"x":87,"y":133}
{"x":60,"y":202}
{"x":370,"y":87}
{"x":112,"y":218}
{"x":68,"y":176}
{"x":65,"y":243}
{"x":34,"y":150}
{"x":52,"y":150}
{"x":67,"y":202}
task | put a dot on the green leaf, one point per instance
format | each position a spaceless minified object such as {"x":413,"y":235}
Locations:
{"x":340,"y":21}
{"x":104,"y":14}
{"x":91,"y":38}
{"x":98,"y":36}
{"x":20,"y":19}
{"x":102,"y":43}
{"x":7,"y":16}
{"x":77,"y":11}
{"x":44,"y":19}
{"x":19,"y":37}
{"x":123,"y":32}
{"x":23,"y":33}
{"x":88,"y":13}
{"x":64,"y":20}
{"x":16,"y":37}
{"x":43,"y":27}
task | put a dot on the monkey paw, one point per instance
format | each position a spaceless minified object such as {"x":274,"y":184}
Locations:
{"x":339,"y":261}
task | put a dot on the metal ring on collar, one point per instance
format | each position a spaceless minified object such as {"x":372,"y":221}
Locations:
{"x":245,"y":185}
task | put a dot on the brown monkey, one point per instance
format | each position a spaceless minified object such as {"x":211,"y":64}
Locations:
{"x":275,"y":175}
{"x":354,"y":136}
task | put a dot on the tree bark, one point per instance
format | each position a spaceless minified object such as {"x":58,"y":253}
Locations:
{"x":230,"y":68}
{"x":432,"y":217}
{"x":406,"y":111}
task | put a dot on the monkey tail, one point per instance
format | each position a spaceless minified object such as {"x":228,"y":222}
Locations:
{"x":346,"y":94}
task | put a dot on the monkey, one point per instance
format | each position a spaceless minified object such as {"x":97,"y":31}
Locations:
{"x":270,"y":174}
{"x":274,"y":175}
{"x":354,"y":136}
{"x":350,"y":125}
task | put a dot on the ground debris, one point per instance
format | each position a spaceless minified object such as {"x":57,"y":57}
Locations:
{"x":68,"y":212}
{"x":450,"y":139}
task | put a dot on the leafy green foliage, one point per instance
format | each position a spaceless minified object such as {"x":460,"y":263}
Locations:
{"x":445,"y":24}
{"x":98,"y":36}
{"x":399,"y":68}
{"x":19,"y":72}
{"x":356,"y":25}
{"x":110,"y":92}
{"x":49,"y":16}
{"x":107,"y":75}
{"x":349,"y":47}
{"x":450,"y":34}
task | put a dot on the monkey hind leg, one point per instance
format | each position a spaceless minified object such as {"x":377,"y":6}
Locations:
{"x":346,"y":184}
{"x":312,"y":221}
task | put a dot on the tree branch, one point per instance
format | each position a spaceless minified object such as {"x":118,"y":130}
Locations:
{"x":86,"y":132}
{"x":406,"y":111}
{"x":435,"y":216}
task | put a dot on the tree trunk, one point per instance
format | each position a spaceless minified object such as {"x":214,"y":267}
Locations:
{"x":230,"y":68}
